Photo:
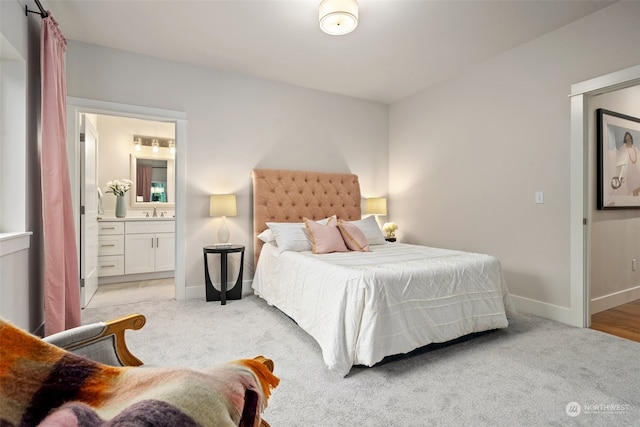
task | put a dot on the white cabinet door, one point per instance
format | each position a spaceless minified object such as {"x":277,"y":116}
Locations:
{"x":139,"y":250}
{"x":165,"y":244}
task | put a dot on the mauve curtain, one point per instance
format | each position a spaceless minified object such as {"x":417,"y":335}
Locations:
{"x":143,"y":182}
{"x":60,"y":257}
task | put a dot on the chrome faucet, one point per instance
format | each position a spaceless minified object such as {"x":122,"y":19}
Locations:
{"x":155,"y":212}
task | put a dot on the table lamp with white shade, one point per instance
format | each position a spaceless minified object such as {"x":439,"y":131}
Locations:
{"x":376,"y":206}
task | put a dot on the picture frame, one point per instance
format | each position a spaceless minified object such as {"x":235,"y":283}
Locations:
{"x":618,"y":163}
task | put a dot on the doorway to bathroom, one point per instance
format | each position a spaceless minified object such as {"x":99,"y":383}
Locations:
{"x":137,"y":263}
{"x":150,"y":228}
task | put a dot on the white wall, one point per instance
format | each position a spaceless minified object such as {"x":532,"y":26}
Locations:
{"x":13,"y":105}
{"x":14,"y":279}
{"x":615,"y":234}
{"x":467,"y":156}
{"x":235,"y":124}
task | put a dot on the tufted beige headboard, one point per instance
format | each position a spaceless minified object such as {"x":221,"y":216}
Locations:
{"x":289,"y":196}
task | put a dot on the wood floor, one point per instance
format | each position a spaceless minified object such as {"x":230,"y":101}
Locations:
{"x":622,"y":321}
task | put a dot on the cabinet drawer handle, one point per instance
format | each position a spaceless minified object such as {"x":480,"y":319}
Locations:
{"x":152,"y":242}
{"x":108,"y":266}
{"x":157,"y":242}
{"x":108,"y":228}
{"x":104,"y":246}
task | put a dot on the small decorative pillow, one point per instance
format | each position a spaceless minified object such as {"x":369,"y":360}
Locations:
{"x":371,"y":230}
{"x":291,"y":236}
{"x":353,"y":237}
{"x":267,"y":236}
{"x":325,"y":238}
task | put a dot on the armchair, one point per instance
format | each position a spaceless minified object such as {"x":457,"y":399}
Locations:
{"x":57,"y":378}
{"x":102,"y":342}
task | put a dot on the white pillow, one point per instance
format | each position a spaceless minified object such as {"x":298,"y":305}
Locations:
{"x":267,"y":236}
{"x":371,"y":230}
{"x":292,"y":236}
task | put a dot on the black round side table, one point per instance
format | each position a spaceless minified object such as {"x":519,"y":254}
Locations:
{"x":223,"y":294}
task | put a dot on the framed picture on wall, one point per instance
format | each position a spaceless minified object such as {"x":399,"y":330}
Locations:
{"x":618,"y":160}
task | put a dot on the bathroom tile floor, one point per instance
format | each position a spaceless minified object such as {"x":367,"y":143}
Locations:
{"x":128,"y":292}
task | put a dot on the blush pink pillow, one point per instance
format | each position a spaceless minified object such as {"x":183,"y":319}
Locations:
{"x":353,"y":237}
{"x":324,"y":238}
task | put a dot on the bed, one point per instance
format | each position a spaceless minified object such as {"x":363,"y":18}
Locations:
{"x":361,"y":306}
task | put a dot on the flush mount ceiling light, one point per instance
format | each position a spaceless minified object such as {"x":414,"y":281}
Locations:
{"x":338,"y":17}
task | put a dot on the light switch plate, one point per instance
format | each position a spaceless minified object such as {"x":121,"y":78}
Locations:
{"x":539,"y":197}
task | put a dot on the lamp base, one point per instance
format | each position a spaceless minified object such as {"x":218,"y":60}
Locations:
{"x":223,"y":231}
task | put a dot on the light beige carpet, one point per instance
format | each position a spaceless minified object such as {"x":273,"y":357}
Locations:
{"x":534,"y":373}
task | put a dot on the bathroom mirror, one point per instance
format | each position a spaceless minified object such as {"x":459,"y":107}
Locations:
{"x":153,"y":181}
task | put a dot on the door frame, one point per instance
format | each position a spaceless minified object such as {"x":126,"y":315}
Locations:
{"x":580,"y":214}
{"x":77,"y":106}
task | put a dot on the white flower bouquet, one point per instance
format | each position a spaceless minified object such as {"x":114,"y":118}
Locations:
{"x":390,"y":229}
{"x":119,"y":186}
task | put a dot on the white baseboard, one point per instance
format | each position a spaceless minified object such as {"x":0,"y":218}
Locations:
{"x":613,"y":300}
{"x":198,"y":292}
{"x":194,"y":292}
{"x":543,"y":309}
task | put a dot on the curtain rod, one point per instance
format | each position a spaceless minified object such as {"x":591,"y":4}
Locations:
{"x":43,"y":13}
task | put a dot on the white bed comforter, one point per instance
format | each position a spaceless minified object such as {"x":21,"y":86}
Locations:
{"x":363,"y":306}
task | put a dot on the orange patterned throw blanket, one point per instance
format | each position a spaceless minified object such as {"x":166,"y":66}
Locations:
{"x":42,"y":385}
